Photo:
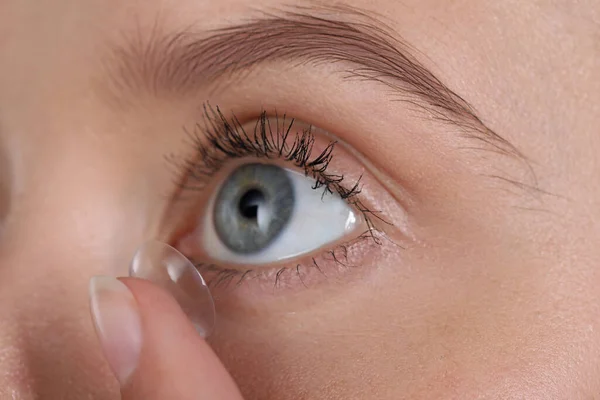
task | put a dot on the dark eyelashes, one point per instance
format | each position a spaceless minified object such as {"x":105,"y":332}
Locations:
{"x":218,"y":140}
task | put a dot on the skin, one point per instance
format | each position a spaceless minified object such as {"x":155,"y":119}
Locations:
{"x":494,"y":294}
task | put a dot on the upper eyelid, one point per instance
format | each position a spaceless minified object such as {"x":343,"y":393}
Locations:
{"x":220,"y":139}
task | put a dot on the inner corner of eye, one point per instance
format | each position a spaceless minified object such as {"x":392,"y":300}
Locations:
{"x":264,"y":213}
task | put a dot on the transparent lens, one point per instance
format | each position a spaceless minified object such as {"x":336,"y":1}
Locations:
{"x":163,"y":265}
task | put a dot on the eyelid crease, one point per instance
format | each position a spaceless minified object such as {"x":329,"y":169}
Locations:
{"x":402,"y":197}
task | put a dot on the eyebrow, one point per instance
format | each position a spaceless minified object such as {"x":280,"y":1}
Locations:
{"x":186,"y":61}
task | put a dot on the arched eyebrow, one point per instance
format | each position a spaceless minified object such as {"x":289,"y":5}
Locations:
{"x":186,"y":61}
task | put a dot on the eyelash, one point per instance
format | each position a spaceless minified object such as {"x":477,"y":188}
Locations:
{"x":219,"y":140}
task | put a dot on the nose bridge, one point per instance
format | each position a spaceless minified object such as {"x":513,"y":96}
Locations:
{"x":86,"y":225}
{"x":76,"y":203}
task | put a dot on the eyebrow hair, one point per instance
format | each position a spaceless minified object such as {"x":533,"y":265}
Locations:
{"x":185,"y":61}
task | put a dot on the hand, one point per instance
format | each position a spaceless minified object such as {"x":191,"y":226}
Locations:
{"x":153,"y":350}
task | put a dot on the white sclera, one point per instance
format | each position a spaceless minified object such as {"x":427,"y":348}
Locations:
{"x":165,"y":266}
{"x":319,"y":218}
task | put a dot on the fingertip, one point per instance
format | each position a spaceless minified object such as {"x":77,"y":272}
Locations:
{"x":175,"y":358}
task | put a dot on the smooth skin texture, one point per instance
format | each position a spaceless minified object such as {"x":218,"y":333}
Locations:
{"x":495,"y":295}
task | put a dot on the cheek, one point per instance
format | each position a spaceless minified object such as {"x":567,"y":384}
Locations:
{"x":429,"y":323}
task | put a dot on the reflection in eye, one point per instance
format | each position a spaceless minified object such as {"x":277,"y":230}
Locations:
{"x":264,"y":213}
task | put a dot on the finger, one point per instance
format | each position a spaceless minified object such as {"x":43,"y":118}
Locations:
{"x":152,"y":348}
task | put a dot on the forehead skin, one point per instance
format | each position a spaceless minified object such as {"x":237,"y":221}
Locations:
{"x":502,"y":301}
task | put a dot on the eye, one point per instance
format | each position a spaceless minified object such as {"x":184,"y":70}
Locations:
{"x":263,"y":213}
{"x":274,"y":200}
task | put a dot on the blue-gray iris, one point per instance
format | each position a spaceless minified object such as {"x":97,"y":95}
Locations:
{"x":253,"y":207}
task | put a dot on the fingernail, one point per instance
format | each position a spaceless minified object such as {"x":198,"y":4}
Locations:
{"x":118,"y":324}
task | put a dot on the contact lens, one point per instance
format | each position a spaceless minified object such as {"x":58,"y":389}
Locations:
{"x":165,"y":266}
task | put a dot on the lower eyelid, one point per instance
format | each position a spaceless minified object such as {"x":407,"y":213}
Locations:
{"x":343,"y":262}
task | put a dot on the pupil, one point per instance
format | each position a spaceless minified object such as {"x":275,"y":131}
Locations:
{"x":250,"y":202}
